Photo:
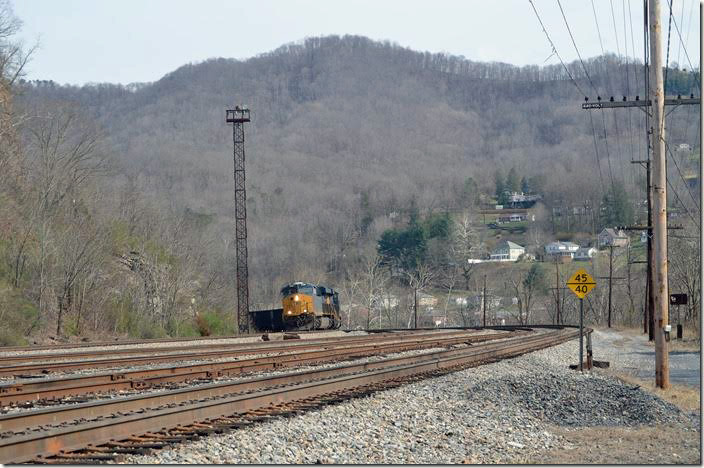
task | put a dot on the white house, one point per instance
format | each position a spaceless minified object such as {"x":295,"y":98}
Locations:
{"x":506,"y":251}
{"x":477,"y":301}
{"x":386,"y":301}
{"x":610,"y":237}
{"x":561,"y":249}
{"x":427,"y":299}
{"x":585,"y":253}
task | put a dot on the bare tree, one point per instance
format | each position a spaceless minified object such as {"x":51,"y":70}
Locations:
{"x":684,"y":264}
{"x":418,"y":280}
{"x":464,"y":243}
{"x":78,"y":252}
{"x":374,"y":280}
{"x":64,"y":154}
{"x":526,"y":286}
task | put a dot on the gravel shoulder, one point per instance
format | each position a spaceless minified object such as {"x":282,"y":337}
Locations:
{"x":531,"y":409}
{"x":631,"y":354}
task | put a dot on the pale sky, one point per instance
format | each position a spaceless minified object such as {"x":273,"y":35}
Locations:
{"x":125,"y":41}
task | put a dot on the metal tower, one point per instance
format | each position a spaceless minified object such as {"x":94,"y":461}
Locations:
{"x":237,"y":117}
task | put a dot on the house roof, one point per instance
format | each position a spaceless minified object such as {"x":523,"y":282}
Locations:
{"x":566,"y":244}
{"x":509,"y":244}
{"x":612,"y":232}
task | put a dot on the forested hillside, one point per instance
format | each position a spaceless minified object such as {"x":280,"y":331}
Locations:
{"x":349,"y":137}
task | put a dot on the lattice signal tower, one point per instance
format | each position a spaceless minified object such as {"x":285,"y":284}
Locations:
{"x":237,"y":117}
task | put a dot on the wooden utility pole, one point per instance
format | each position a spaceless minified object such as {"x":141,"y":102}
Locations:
{"x":557,"y":292}
{"x":611,"y":273}
{"x":415,"y":307}
{"x":484,"y":301}
{"x":701,"y":166}
{"x":660,"y":286}
{"x":655,"y":100}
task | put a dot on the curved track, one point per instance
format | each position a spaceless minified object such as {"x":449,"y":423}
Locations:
{"x":97,"y":431}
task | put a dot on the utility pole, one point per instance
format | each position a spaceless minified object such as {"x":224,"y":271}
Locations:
{"x":660,"y":286}
{"x":415,"y":307}
{"x":611,"y":269}
{"x":557,"y":292}
{"x":658,"y":266}
{"x":610,"y":278}
{"x":237,"y":117}
{"x":649,"y":310}
{"x":701,"y":166}
{"x":484,"y":301}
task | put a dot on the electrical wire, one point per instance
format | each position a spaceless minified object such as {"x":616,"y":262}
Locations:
{"x":554,"y":49}
{"x":684,"y":181}
{"x":596,"y":152}
{"x":619,"y":156}
{"x":667,"y":60}
{"x":575,"y":47}
{"x":683,"y":205}
{"x":684,"y":46}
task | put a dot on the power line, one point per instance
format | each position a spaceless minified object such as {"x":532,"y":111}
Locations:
{"x":667,"y":60}
{"x":684,"y":46}
{"x":681,"y":203}
{"x":575,"y":47}
{"x":618,"y":50}
{"x":596,"y":151}
{"x":608,"y":156}
{"x":674,"y":159}
{"x":635,"y":86}
{"x":554,"y":49}
{"x":679,"y":49}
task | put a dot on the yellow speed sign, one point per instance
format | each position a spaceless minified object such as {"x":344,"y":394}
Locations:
{"x":581,"y":283}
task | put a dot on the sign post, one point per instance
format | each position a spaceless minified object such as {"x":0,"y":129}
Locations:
{"x":678,"y":300}
{"x":581,"y":283}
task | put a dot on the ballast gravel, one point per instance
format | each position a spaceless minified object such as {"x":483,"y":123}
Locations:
{"x":497,"y":413}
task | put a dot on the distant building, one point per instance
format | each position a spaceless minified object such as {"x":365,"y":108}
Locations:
{"x":612,"y":238}
{"x":506,"y":251}
{"x":427,"y":300}
{"x":477,"y":301}
{"x":585,"y":253}
{"x":561,"y":250}
{"x":386,"y":301}
{"x":684,"y":147}
{"x":522,"y":200}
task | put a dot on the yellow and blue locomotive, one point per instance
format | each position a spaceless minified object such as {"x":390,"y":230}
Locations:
{"x":305,"y":306}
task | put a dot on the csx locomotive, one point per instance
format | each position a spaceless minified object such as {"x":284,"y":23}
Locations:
{"x":305,"y":306}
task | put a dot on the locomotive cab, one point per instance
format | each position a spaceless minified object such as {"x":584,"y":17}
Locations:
{"x":310,"y":306}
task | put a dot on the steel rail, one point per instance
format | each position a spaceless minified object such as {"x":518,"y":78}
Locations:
{"x":90,"y":344}
{"x":19,"y":421}
{"x":116,"y":342}
{"x":204,"y":354}
{"x":26,"y":447}
{"x":44,"y":368}
{"x":72,"y":386}
{"x":22,"y":358}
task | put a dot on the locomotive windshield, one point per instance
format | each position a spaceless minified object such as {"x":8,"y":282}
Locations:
{"x":302,"y":288}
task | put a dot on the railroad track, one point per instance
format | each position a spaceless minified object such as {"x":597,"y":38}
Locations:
{"x":20,"y":366}
{"x":101,"y":431}
{"x":170,"y":350}
{"x":41,"y":390}
{"x":90,"y":344}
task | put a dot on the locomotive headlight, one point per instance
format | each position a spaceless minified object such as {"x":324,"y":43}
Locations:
{"x":295,"y":298}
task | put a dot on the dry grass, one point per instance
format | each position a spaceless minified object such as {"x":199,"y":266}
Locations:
{"x":623,"y":445}
{"x":683,"y":396}
{"x":691,"y":341}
